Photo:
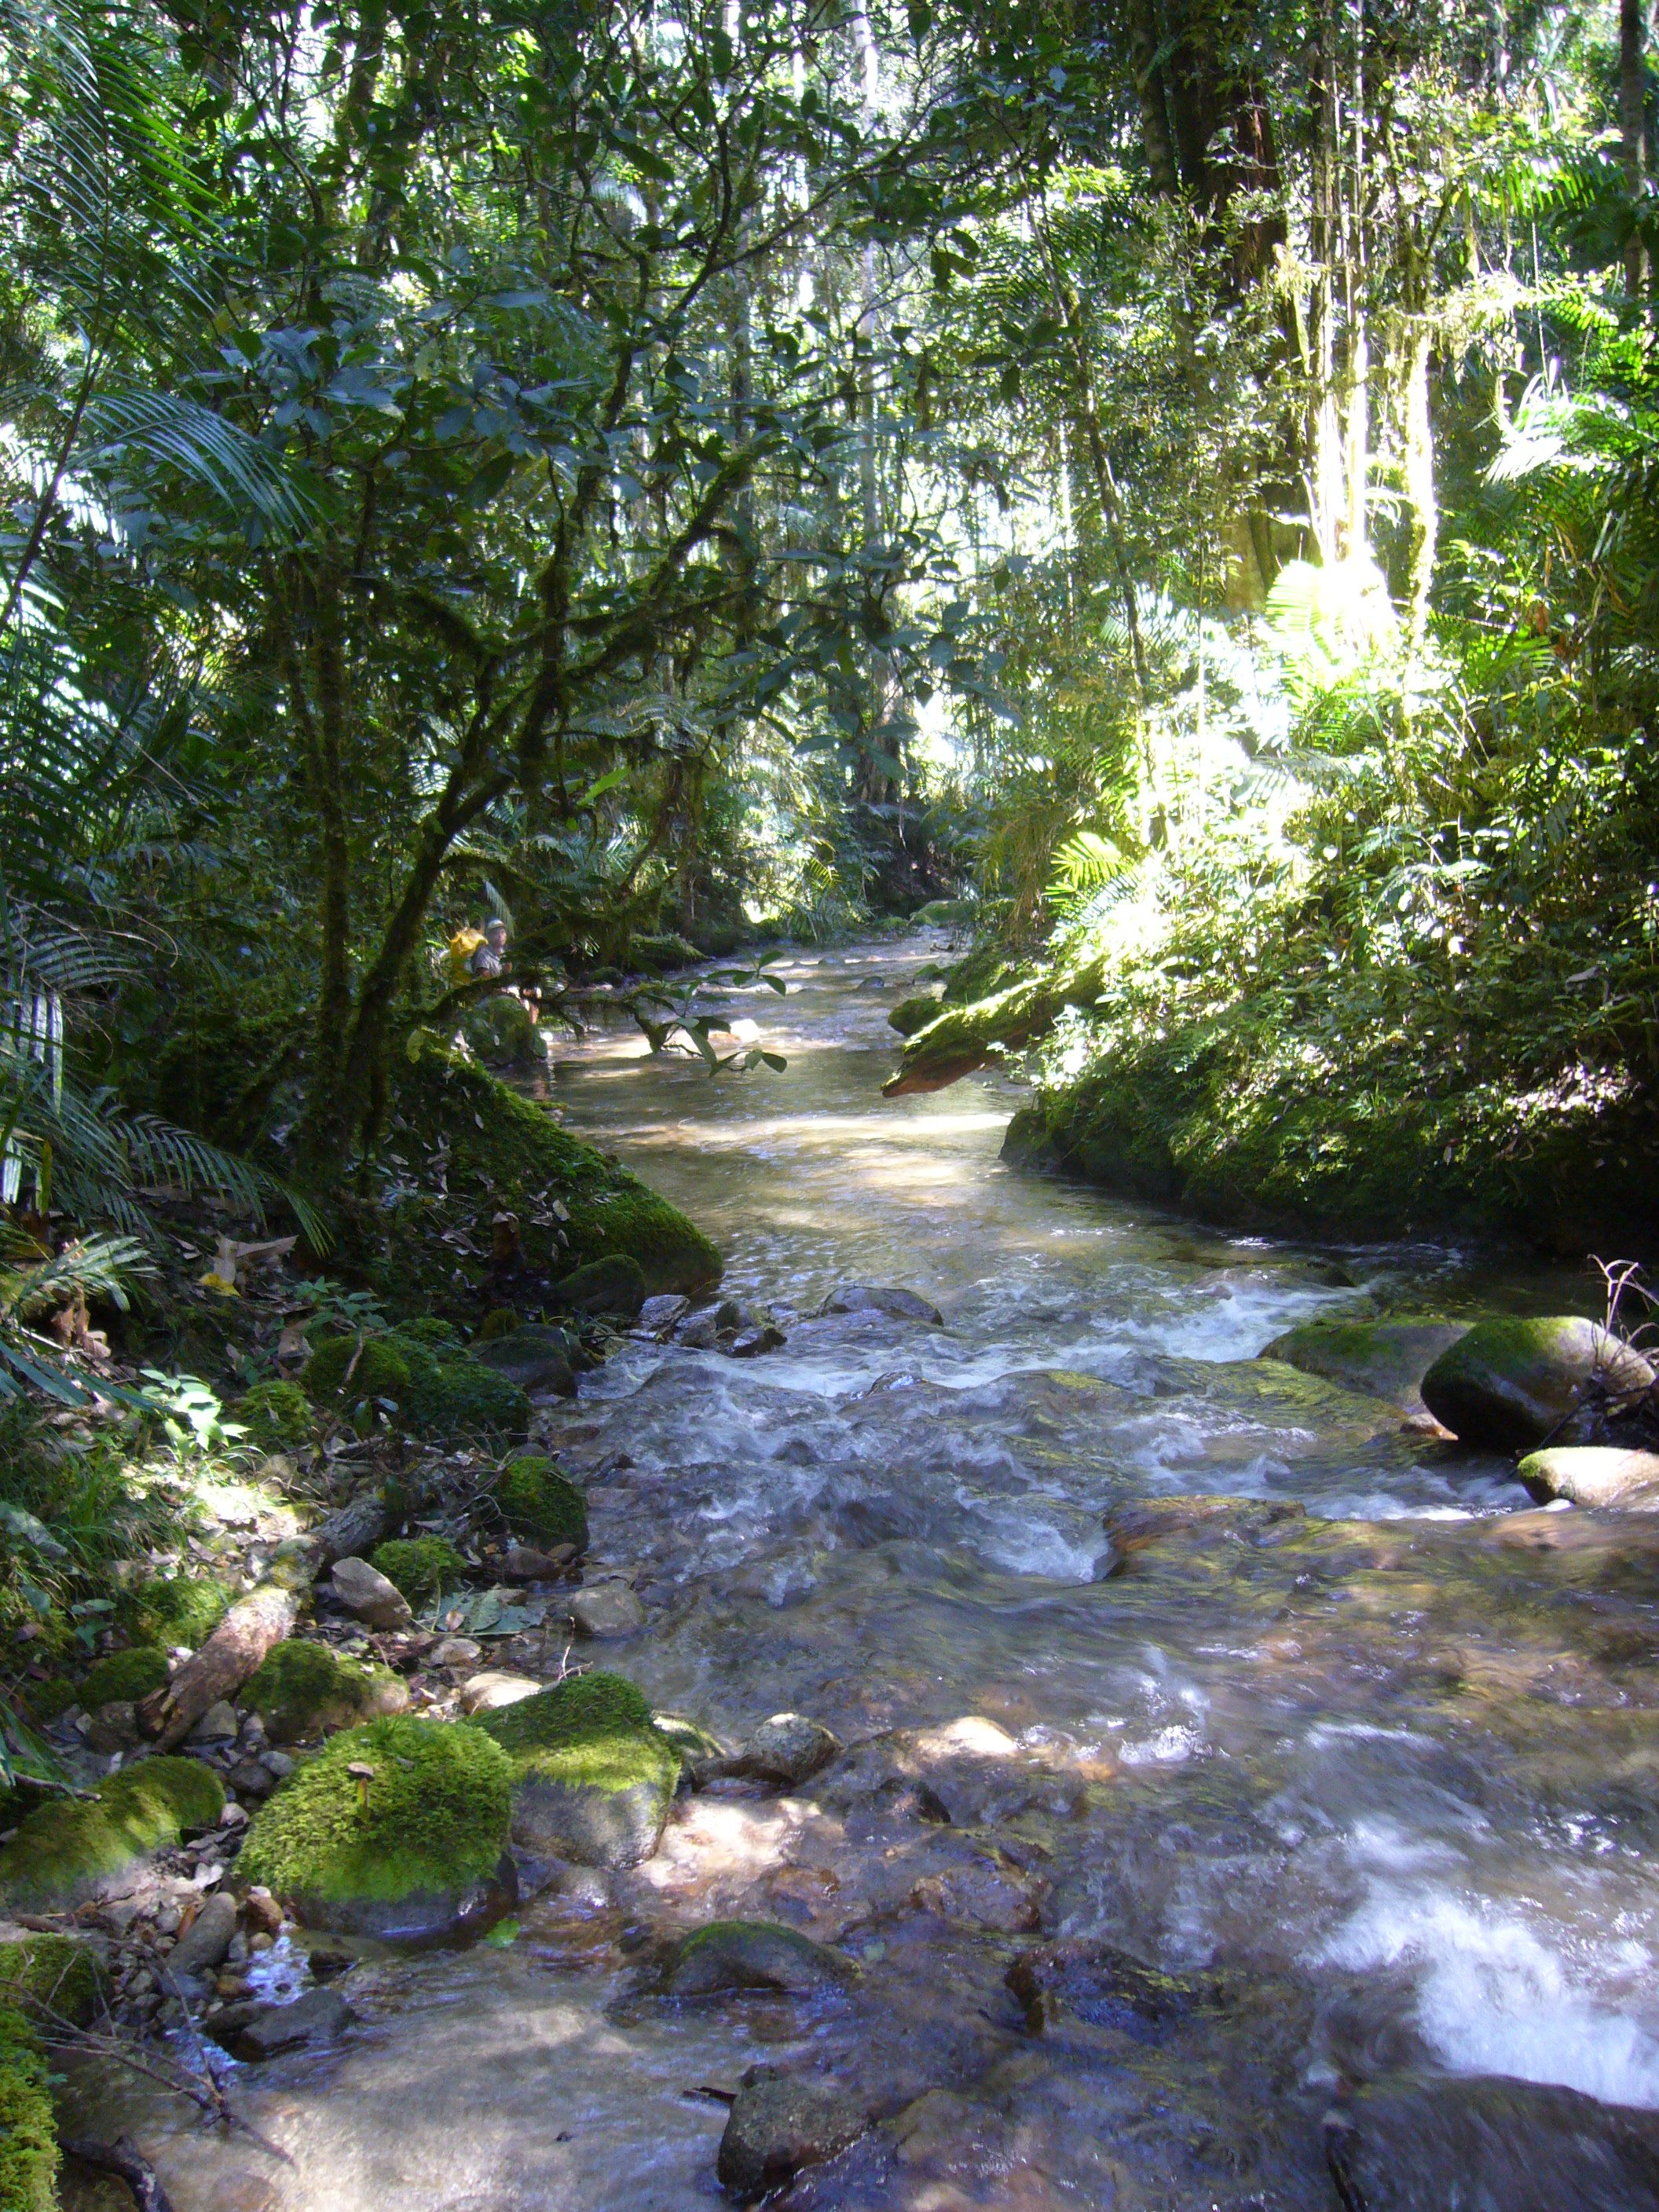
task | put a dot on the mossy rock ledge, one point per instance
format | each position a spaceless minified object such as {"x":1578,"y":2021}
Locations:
{"x":518,"y":1158}
{"x":1385,"y":1360}
{"x":1510,"y":1384}
{"x":72,"y":1850}
{"x":396,"y":1829}
{"x":593,"y":1776}
{"x":304,"y":1690}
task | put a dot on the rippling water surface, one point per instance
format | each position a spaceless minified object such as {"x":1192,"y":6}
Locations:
{"x":1378,"y":1777}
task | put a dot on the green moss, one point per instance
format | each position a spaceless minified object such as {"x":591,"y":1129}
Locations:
{"x":438,"y":1335}
{"x":303,"y":1689}
{"x":421,"y":1566}
{"x":519,"y":1156}
{"x":501,"y":1321}
{"x":381,"y":1370}
{"x":536,"y":1500}
{"x":178,"y":1609}
{"x":911,"y":1016}
{"x":61,"y":1972}
{"x":67,"y":1850}
{"x":593,"y":1731}
{"x":28,"y":2139}
{"x":500,"y":1031}
{"x":47,"y":1702}
{"x":124,"y":1676}
{"x":277,"y":1416}
{"x":462,"y":1398}
{"x":433,"y":1817}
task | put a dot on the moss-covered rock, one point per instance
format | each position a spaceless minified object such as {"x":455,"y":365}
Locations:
{"x":964,"y":1037}
{"x":277,"y":1416}
{"x":911,"y":1016}
{"x":420,"y":1566}
{"x":517,"y":1156}
{"x":52,"y":1973}
{"x":409,"y":1850}
{"x":28,"y":2139}
{"x":345,"y":1371}
{"x":536,"y":1500}
{"x":1383,"y":1359}
{"x":593,"y":1776}
{"x":71,"y":1851}
{"x":1511,"y":1384}
{"x":1591,"y":1474}
{"x":303,"y":1689}
{"x":615,"y":1285}
{"x":124,"y":1676}
{"x":466,"y":1397}
{"x":753,"y":1955}
{"x":178,"y":1609}
{"x":533,"y":1358}
{"x":500,"y":1031}
{"x":437,"y":1334}
{"x":499,"y":1321}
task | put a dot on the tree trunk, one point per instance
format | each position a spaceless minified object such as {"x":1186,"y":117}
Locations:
{"x":250,"y":1629}
{"x":1633,"y":132}
{"x":1154,"y":101}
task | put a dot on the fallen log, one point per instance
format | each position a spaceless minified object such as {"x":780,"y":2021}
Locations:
{"x":253,"y":1625}
{"x":123,"y":2159}
{"x":355,"y":1530}
{"x":963,"y":1038}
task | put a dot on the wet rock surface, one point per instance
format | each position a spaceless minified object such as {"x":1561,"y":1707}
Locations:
{"x":779,"y":2123}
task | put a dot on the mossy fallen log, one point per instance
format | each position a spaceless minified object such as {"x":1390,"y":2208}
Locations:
{"x":964,"y":1039}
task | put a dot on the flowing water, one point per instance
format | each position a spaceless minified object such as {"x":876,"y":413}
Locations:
{"x":1365,"y":1763}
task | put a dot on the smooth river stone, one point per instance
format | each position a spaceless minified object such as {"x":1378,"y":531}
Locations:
{"x":1595,"y":1474}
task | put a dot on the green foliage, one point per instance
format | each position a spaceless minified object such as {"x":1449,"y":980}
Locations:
{"x":28,"y":2138}
{"x":65,"y":1851}
{"x":427,"y":1329}
{"x":537,"y":1501}
{"x":421,"y":1566}
{"x":432,"y":1817}
{"x":44,"y":1974}
{"x":277,"y":1416}
{"x":499,"y":1321}
{"x":124,"y":1676}
{"x":303,"y":1689}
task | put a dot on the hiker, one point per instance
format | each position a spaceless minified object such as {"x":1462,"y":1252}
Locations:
{"x":490,"y":958}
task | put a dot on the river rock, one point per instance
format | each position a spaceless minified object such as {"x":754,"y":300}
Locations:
{"x":114,"y":1727}
{"x":319,"y":2016}
{"x":489,"y":1692}
{"x":614,"y":1284}
{"x":662,"y":1313}
{"x":593,"y":1776}
{"x":750,"y":1343}
{"x":870,"y":1297}
{"x":1418,"y":2144}
{"x":779,"y":2123}
{"x":1385,"y":1360}
{"x":1511,"y":1384}
{"x":1592,"y":1474}
{"x":606,"y":1611}
{"x":365,"y":1591}
{"x":753,"y":1955}
{"x":789,"y":1748}
{"x":204,"y":1944}
{"x":525,"y":1563}
{"x":217,"y":1724}
{"x":535,"y":1359}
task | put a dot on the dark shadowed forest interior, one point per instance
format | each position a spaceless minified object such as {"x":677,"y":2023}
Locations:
{"x":829,"y":1105}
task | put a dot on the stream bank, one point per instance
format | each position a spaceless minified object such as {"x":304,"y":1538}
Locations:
{"x":1235,"y":1780}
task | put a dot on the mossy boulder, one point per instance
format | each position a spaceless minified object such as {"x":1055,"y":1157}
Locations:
{"x":277,"y":1416}
{"x":420,"y":1566}
{"x":615,"y":1285}
{"x":1511,"y":1384}
{"x":304,"y":1690}
{"x":178,"y":1609}
{"x":911,"y":1016}
{"x":753,"y":1955}
{"x":593,"y":1776}
{"x":346,"y":1370}
{"x":499,"y":1321}
{"x":534,"y":1358}
{"x":49,"y":1972}
{"x":438,"y":1335}
{"x":537,"y":1501}
{"x":500,"y":1031}
{"x":466,"y":1397}
{"x":123,"y":1677}
{"x":1591,"y":1474}
{"x":1383,"y":1359}
{"x":516,"y":1157}
{"x":28,"y":2138}
{"x":70,"y":1852}
{"x":396,"y":1830}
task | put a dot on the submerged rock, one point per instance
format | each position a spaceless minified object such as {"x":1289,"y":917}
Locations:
{"x":591,"y":1776}
{"x":779,"y":2123}
{"x":1511,"y":1384}
{"x":1385,"y":1360}
{"x":70,"y":1850}
{"x":789,"y":1748}
{"x":1415,"y":2144}
{"x":1593,"y":1474}
{"x":396,"y":1829}
{"x":753,"y":1954}
{"x":606,"y":1611}
{"x":871,"y":1297}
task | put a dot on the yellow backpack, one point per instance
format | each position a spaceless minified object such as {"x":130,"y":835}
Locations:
{"x":462,"y":946}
